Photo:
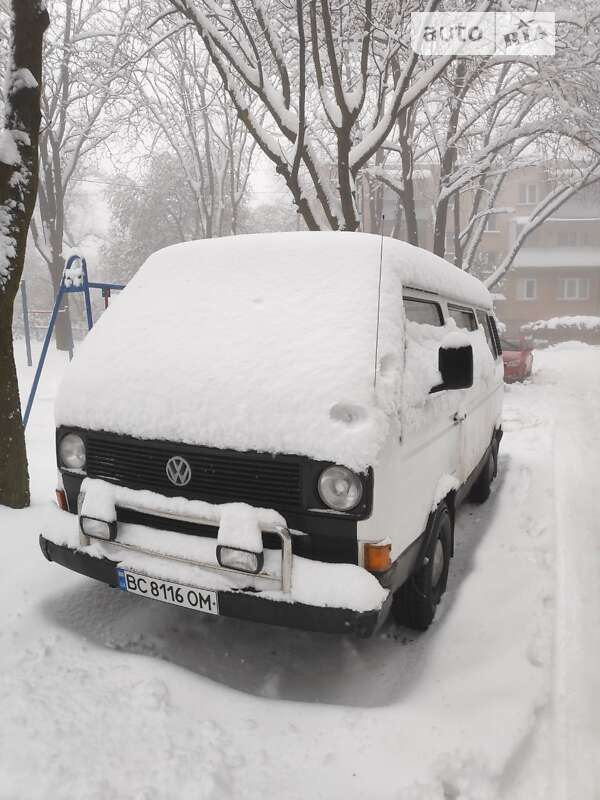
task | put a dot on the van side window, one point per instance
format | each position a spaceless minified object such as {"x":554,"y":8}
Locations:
{"x":494,"y":330}
{"x":423,"y":311}
{"x":463,"y":317}
{"x":483,"y":321}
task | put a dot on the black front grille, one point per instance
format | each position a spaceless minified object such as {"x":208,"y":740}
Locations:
{"x":301,"y":545}
{"x":218,"y":476}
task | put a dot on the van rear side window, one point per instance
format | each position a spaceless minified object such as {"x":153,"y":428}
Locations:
{"x":482,"y":318}
{"x":488,"y":324}
{"x":463,"y":317}
{"x":494,"y":330}
{"x":423,"y":311}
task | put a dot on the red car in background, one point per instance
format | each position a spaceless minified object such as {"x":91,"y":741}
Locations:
{"x":518,"y":360}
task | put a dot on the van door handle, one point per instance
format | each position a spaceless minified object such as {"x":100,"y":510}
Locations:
{"x":459,"y":417}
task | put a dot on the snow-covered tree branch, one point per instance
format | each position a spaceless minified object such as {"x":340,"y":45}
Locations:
{"x":329,"y":77}
{"x":178,"y":106}
{"x":487,"y":117}
{"x":549,"y":205}
{"x":85,"y":70}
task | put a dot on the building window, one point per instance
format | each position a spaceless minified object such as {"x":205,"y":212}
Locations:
{"x":567,"y":238}
{"x":489,"y":258}
{"x":574,"y":289}
{"x":526,"y":289}
{"x":528,"y":194}
{"x":491,"y":223}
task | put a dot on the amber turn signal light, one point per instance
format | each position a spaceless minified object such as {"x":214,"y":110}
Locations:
{"x":377,"y":557}
{"x":61,"y":499}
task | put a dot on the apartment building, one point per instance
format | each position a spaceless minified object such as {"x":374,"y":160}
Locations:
{"x":556,"y":273}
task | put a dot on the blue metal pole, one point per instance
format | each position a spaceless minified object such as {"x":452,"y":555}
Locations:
{"x":86,"y":294}
{"x":26,"y":323}
{"x":44,"y":352}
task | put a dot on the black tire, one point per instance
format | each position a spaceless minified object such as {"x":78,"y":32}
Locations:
{"x":415,"y":602}
{"x":480,"y":491}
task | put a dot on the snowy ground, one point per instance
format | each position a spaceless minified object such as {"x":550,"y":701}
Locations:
{"x":104,"y":695}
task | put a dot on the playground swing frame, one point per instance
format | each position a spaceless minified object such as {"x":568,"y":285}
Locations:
{"x":83,"y":288}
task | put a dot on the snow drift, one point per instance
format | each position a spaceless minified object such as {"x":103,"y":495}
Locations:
{"x":261,"y":342}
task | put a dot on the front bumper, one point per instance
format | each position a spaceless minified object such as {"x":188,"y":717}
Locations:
{"x":289,"y":590}
{"x":239,"y":604}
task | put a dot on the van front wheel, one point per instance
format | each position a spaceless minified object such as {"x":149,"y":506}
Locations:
{"x":415,"y":602}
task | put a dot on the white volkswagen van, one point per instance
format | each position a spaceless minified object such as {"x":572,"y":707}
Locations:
{"x":280,"y":428}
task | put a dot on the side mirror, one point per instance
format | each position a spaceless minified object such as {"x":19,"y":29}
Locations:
{"x":456,"y":367}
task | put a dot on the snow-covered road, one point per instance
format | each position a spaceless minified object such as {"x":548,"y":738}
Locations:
{"x":111,"y":696}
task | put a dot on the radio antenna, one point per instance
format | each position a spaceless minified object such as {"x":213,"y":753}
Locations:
{"x":378,"y":301}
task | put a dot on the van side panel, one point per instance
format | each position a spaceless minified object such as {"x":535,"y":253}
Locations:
{"x":407,"y":475}
{"x":483,"y":409}
{"x":421,"y":463}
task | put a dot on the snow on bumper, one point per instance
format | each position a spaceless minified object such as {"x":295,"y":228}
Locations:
{"x":323,"y":596}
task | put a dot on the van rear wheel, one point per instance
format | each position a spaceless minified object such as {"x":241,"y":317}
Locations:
{"x":415,"y":602}
{"x":482,"y":487}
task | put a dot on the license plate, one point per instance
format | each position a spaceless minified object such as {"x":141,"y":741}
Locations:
{"x":185,"y":596}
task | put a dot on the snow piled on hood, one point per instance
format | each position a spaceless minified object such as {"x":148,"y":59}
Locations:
{"x":261,"y":342}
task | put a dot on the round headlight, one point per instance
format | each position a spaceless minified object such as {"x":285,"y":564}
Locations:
{"x":340,"y":488}
{"x":71,"y":451}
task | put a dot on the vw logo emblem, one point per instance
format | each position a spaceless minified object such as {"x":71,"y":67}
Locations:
{"x":178,"y":471}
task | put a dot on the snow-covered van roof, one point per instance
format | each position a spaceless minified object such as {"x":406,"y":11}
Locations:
{"x":262,"y":342}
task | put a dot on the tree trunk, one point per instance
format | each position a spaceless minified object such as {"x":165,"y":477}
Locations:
{"x":345,"y":182}
{"x":397,"y":230}
{"x":449,"y":159}
{"x":410,"y":212}
{"x":409,"y":206}
{"x":458,"y":250}
{"x":14,"y":475}
{"x":18,"y":187}
{"x":376,"y":197}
